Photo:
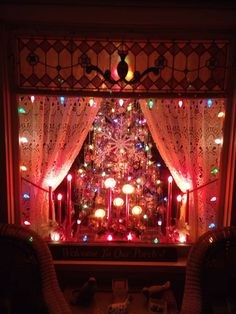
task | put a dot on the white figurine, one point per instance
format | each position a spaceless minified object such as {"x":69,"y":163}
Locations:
{"x":154,"y":291}
{"x":120,"y":307}
{"x":85,"y":294}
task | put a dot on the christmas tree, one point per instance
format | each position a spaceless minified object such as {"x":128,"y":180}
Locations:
{"x":118,"y":190}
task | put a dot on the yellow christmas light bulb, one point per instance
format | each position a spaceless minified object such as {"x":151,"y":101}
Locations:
{"x":91,"y":102}
{"x":221,"y":114}
{"x":55,"y":236}
{"x":100,"y":213}
{"x":218,"y":141}
{"x":23,"y":140}
{"x":128,"y":189}
{"x":118,"y":201}
{"x":136,"y":210}
{"x":110,"y":183}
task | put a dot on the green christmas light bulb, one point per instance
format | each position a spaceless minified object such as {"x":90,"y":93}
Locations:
{"x":150,"y":104}
{"x":215,"y":170}
{"x":21,"y":110}
{"x":30,"y":239}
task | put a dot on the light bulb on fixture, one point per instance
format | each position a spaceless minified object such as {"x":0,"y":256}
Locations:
{"x":136,"y":210}
{"x":179,"y":198}
{"x":118,"y":201}
{"x":110,"y":183}
{"x":170,"y":179}
{"x":69,"y":177}
{"x":128,"y":189}
{"x":100,"y":213}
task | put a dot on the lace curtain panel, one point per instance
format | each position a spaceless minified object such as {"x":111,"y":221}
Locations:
{"x":189,"y":137}
{"x":52,"y":132}
{"x":56,"y":127}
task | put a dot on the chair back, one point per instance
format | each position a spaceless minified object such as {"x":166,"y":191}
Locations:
{"x":28,"y":282}
{"x":210,"y":283}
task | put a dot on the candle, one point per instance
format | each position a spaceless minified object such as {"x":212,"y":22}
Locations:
{"x":187,"y":207}
{"x":182,"y":215}
{"x":127,"y":209}
{"x":136,"y":211}
{"x":100,"y":214}
{"x":109,"y":201}
{"x":169,"y":202}
{"x":50,"y":201}
{"x":118,"y":202}
{"x":110,"y":183}
{"x":69,"y":209}
{"x":53,"y":211}
{"x":179,"y":200}
{"x":127,"y":189}
{"x":187,"y":188}
{"x":59,"y":198}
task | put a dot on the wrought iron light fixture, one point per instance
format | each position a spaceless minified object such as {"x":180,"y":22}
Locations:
{"x":122,"y":71}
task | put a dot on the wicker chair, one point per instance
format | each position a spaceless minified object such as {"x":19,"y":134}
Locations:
{"x":28,"y":282}
{"x":210,"y":283}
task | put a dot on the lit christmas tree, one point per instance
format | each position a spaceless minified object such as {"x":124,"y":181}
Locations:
{"x":118,"y":191}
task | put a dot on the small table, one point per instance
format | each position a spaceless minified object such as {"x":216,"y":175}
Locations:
{"x":138,"y":305}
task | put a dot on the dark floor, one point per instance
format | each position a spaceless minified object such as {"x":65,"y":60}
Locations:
{"x":138,"y":275}
{"x":138,"y":304}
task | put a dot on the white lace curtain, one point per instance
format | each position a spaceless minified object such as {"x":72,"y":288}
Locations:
{"x":52,"y":132}
{"x":185,"y":137}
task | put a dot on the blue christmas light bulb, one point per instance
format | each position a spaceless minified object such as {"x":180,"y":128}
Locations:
{"x":85,"y":238}
{"x":62,"y":100}
{"x":209,"y":103}
{"x":212,"y":225}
